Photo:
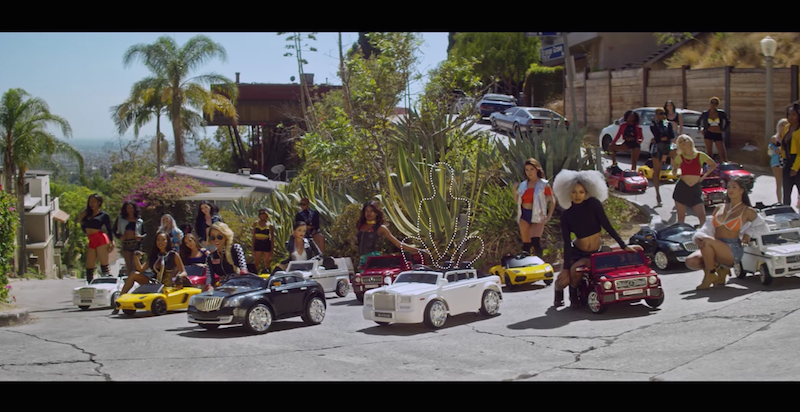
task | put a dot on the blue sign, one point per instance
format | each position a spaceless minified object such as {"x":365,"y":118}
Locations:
{"x":542,"y":33}
{"x":553,"y":52}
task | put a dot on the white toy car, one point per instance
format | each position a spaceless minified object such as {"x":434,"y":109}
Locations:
{"x":429,"y":296}
{"x":778,"y":216}
{"x":332,"y":273}
{"x":773,"y":254}
{"x":103,"y":291}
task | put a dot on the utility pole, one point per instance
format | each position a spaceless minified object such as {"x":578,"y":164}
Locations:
{"x":570,"y":66}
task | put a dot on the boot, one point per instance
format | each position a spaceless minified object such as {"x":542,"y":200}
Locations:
{"x":559,"y":300}
{"x":709,"y":277}
{"x":526,"y":247}
{"x":722,"y":276}
{"x":574,"y":299}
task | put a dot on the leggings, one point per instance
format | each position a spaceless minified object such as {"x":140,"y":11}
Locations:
{"x":789,"y":182}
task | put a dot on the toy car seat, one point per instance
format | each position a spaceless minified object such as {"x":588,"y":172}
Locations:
{"x":329,"y":263}
{"x":504,"y":260}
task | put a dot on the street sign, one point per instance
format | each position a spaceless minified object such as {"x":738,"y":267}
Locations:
{"x":553,"y":52}
{"x":542,"y":33}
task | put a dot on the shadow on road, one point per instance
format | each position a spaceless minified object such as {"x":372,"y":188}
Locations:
{"x":557,"y":317}
{"x":524,"y":288}
{"x":233,"y":331}
{"x":344,"y":302}
{"x":754,"y":282}
{"x":73,"y":309}
{"x":747,"y":285}
{"x":412,"y":329}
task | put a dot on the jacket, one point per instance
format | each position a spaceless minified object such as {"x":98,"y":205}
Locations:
{"x":312,"y":250}
{"x":794,"y":147}
{"x":724,"y":121}
{"x":539,"y":212}
{"x":122,"y":223}
{"x":752,"y":229}
{"x":621,"y":130}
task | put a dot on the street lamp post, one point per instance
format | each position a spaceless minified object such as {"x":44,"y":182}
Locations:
{"x":768,"y":46}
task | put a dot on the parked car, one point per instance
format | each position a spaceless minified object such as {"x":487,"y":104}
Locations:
{"x":729,"y":170}
{"x":378,"y":268}
{"x":619,"y":276}
{"x":626,"y":180}
{"x":522,"y":269}
{"x":773,"y":254}
{"x":256,"y":302}
{"x":666,"y":246}
{"x":429,"y":296}
{"x":667,"y":171}
{"x":778,"y":216}
{"x":647,"y":114}
{"x":332,"y":273}
{"x":102,"y":291}
{"x":156,"y":299}
{"x":491,"y":103}
{"x":713,"y":191}
{"x":458,"y":101}
{"x":525,"y":119}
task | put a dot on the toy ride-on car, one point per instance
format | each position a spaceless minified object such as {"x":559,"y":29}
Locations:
{"x":778,"y":216}
{"x":713,"y":191}
{"x":378,"y":268}
{"x":665,"y":246}
{"x":667,"y":173}
{"x":195,"y":275}
{"x":102,"y":291}
{"x":730,"y":170}
{"x":773,"y":254}
{"x":522,"y":269}
{"x":625,"y":180}
{"x":332,"y":273}
{"x":156,"y":298}
{"x":619,"y":276}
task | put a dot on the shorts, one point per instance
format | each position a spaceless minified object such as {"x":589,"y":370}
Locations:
{"x":131,"y":245}
{"x":633,"y":144}
{"x":98,"y":239}
{"x":716,"y":137}
{"x":775,"y":161}
{"x":662,"y":149}
{"x":736,"y":248}
{"x":578,"y":254}
{"x":688,"y":196}
{"x":262,"y":246}
{"x":527,"y":215}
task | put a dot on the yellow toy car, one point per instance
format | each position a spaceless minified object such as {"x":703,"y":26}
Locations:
{"x":522,"y":269}
{"x":667,"y":172}
{"x":156,"y":298}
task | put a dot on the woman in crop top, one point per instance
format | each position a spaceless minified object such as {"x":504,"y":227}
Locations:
{"x":675,"y":118}
{"x":581,"y":194}
{"x":790,"y":143}
{"x":371,"y":228}
{"x":130,"y":229}
{"x":535,"y":206}
{"x":776,"y":161}
{"x":227,"y":259}
{"x":263,"y":239}
{"x":718,"y":240}
{"x":714,"y":122}
{"x":298,"y":246}
{"x":193,"y":255}
{"x":631,"y":134}
{"x":93,"y":219}
{"x":689,"y":189}
{"x":661,"y":147}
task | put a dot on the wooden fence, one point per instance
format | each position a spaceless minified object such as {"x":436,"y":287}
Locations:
{"x":603,"y":96}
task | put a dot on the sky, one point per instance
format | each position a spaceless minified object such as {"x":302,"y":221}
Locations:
{"x":81,"y":75}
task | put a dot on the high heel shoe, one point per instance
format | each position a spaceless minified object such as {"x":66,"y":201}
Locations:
{"x":709,"y":277}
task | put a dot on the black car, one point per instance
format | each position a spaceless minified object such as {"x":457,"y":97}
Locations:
{"x":491,"y":103}
{"x":669,"y":245}
{"x":257,"y":302}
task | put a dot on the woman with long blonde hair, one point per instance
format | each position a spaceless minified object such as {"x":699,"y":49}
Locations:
{"x":775,"y":159}
{"x":688,"y":162}
{"x":227,"y":259}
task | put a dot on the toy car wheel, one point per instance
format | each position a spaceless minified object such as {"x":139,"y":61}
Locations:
{"x":114,"y":297}
{"x":621,"y":187}
{"x":548,"y":282}
{"x":129,"y":312}
{"x":315,"y":311}
{"x":208,"y":326}
{"x":258,"y":319}
{"x":606,"y":142}
{"x":360,"y":297}
{"x":661,"y":260}
{"x":159,"y":306}
{"x":435,"y":314}
{"x":510,"y":285}
{"x":342,"y":288}
{"x":739,"y":271}
{"x":655,"y":302}
{"x":766,"y":278}
{"x":490,"y":304}
{"x":593,"y":300}
{"x":84,"y":307}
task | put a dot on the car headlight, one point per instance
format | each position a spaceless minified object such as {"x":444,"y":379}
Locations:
{"x":357,"y":279}
{"x":405,"y":299}
{"x":607,"y":285}
{"x":98,"y":292}
{"x":675,"y":246}
{"x":233,"y":302}
{"x":192,"y":300}
{"x":652,"y":280}
{"x":368,"y":298}
{"x":515,"y":271}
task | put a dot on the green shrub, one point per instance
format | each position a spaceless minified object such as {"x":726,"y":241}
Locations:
{"x":9,"y":221}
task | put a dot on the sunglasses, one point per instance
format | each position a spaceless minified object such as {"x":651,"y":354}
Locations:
{"x":218,"y":237}
{"x":303,"y":204}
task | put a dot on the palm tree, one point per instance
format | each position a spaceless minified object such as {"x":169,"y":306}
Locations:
{"x":26,"y":141}
{"x":173,"y":64}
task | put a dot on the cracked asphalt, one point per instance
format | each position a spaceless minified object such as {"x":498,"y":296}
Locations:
{"x":741,"y":332}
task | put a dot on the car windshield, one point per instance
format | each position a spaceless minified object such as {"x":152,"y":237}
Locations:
{"x":245,"y":282}
{"x":306,"y":266}
{"x":417,"y":278}
{"x":98,"y":281}
{"x":542,"y":113}
{"x":630,"y":173}
{"x":780,"y":210}
{"x":711,"y":182}
{"x":674,"y":230}
{"x":498,"y":98}
{"x":384,"y":262}
{"x":781,"y":238}
{"x":616,"y":260}
{"x":690,"y":119}
{"x":730,"y":166}
{"x":524,"y":262}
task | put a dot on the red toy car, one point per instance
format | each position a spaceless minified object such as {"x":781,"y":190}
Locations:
{"x":378,"y":268}
{"x":626,"y":180}
{"x":713,"y":192}
{"x":619,"y":276}
{"x":195,"y":275}
{"x":729,"y":170}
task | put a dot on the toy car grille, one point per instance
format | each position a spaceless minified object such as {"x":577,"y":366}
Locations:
{"x":793,"y":259}
{"x":717,"y":196}
{"x":372,"y":279}
{"x":87,"y":293}
{"x":384,"y":301}
{"x":630,"y":283}
{"x":208,"y":304}
{"x":690,"y":246}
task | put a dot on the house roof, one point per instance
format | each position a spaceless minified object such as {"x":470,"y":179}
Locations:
{"x":39,"y":211}
{"x":222,"y":194}
{"x":225,"y":179}
{"x":277,"y":91}
{"x":61,"y":216}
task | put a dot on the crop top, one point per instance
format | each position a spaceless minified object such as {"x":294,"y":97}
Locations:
{"x":218,"y":264}
{"x":629,"y":132}
{"x":662,"y":130}
{"x":585,"y":219}
{"x":97,"y":222}
{"x":527,"y":197}
{"x":734,"y":224}
{"x":723,"y":121}
{"x":692,"y":167}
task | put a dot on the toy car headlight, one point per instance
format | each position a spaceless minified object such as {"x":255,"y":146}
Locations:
{"x":405,"y":299}
{"x":367,"y":298}
{"x":98,"y":292}
{"x":675,"y":246}
{"x":192,"y":300}
{"x":652,"y":280}
{"x":515,"y":270}
{"x":233,"y":302}
{"x":607,"y":285}
{"x":387,"y":280}
{"x":357,"y":279}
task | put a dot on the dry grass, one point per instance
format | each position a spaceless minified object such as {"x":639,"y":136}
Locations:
{"x":741,"y":50}
{"x":7,"y":307}
{"x":556,"y":105}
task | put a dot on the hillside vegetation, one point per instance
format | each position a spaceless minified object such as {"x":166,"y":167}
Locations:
{"x":736,"y":49}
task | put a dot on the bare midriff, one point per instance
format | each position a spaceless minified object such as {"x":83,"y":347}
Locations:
{"x":690,"y":180}
{"x":589,"y":243}
{"x":527,"y":205}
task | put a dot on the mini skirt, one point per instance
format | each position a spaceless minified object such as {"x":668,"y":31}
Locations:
{"x":686,"y":195}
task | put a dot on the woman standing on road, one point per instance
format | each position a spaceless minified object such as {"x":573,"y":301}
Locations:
{"x":371,"y":228}
{"x":714,"y":123}
{"x":93,"y":219}
{"x":533,"y":196}
{"x":718,"y":240}
{"x":662,"y":140}
{"x":775,"y":158}
{"x":790,"y":148}
{"x":130,"y":229}
{"x":631,"y":134}
{"x":581,"y":194}
{"x":263,"y":241}
{"x":689,"y":189}
{"x":675,"y":118}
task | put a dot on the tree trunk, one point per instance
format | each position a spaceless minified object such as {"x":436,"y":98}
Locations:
{"x":348,"y":105}
{"x":177,"y":128}
{"x":8,"y":165}
{"x":22,"y":256}
{"x":158,"y":143}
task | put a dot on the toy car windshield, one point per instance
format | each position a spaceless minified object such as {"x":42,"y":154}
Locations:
{"x":674,"y":230}
{"x":781,"y":238}
{"x":384,"y":263}
{"x":300,"y":266}
{"x":616,"y":260}
{"x":524,"y":262}
{"x":730,"y":166}
{"x":192,"y":270}
{"x":630,"y":173}
{"x":780,"y":210}
{"x":107,"y":280}
{"x":417,"y":278}
{"x":711,"y":182}
{"x":244,"y":282}
{"x":148,"y":288}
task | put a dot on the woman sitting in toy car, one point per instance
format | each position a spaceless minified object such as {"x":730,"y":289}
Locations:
{"x":299,"y":246}
{"x":221,"y":236}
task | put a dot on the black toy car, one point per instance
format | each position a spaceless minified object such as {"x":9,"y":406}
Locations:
{"x":257,"y":302}
{"x":667,"y":245}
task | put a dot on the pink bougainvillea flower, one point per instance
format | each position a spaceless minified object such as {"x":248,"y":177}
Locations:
{"x":12,"y":208}
{"x":141,"y":204}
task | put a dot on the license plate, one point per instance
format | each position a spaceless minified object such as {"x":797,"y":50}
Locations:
{"x":370,"y":286}
{"x":86,"y":301}
{"x":632,"y":292}
{"x":383,"y":315}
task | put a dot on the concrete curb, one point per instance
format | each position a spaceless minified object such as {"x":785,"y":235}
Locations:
{"x":13,"y":317}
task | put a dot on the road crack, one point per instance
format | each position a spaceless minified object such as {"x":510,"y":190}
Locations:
{"x":92,"y":356}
